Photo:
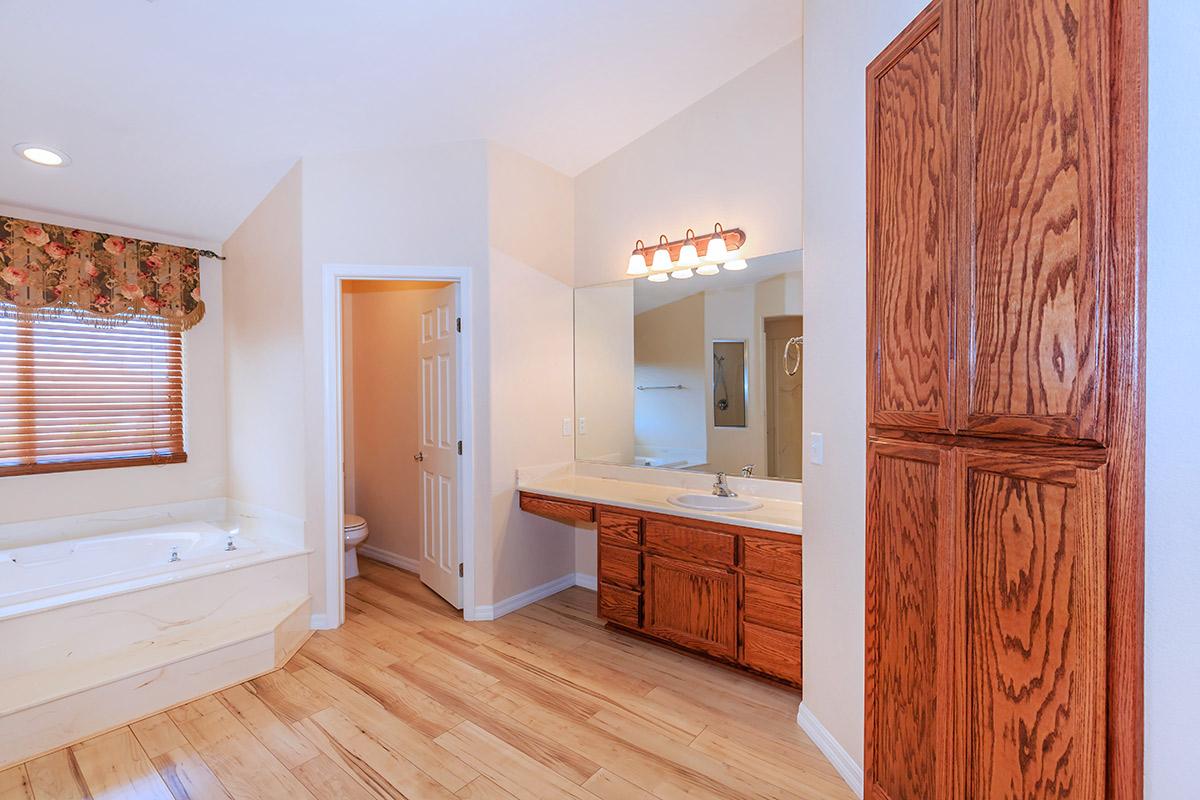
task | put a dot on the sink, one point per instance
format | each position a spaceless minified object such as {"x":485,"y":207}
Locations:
{"x":712,"y":502}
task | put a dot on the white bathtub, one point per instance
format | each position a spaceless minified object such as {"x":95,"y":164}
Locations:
{"x":65,"y":571}
{"x":106,"y":627}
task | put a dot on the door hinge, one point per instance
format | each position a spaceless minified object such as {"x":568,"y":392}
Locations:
{"x":460,"y":569}
{"x":458,"y":324}
{"x":460,"y":447}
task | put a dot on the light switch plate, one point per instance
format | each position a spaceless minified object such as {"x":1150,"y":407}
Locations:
{"x":583,"y":426}
{"x":816,"y":448}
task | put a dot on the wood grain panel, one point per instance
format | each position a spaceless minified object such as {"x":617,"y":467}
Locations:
{"x":771,"y":603}
{"x":910,"y":195}
{"x":1033,"y":533}
{"x":909,"y":620}
{"x":771,"y":651}
{"x":692,"y":604}
{"x":623,"y":529}
{"x":620,"y":566}
{"x":688,"y":542}
{"x":622,"y":606}
{"x":773,"y":557}
{"x":557,"y":508}
{"x":1035,"y":244}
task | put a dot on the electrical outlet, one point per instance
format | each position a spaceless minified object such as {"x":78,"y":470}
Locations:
{"x":566,"y":426}
{"x":816,"y":448}
{"x":583,"y":426}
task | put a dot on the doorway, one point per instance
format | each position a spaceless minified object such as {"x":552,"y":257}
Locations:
{"x":784,"y":353}
{"x":398,"y":419}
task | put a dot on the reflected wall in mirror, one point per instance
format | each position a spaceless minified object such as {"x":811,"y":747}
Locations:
{"x":701,"y":374}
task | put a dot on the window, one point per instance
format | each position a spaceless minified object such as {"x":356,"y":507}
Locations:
{"x":74,"y":396}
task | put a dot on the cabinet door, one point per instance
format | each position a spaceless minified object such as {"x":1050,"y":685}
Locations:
{"x":692,"y":605}
{"x":910,"y":201}
{"x":1032,"y":534}
{"x":910,"y":621}
{"x":1033,"y":191}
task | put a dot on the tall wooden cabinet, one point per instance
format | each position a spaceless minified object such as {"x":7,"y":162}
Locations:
{"x":1005,"y":411}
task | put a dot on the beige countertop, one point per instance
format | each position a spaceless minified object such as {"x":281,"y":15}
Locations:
{"x":783,"y":516}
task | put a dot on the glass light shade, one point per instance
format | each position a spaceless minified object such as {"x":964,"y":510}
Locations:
{"x":734,"y":254}
{"x":707,"y":269}
{"x":682,"y":274}
{"x":662,"y":260}
{"x":657,"y":277}
{"x":637,"y":264}
{"x":735,"y":265}
{"x":716,"y":249}
{"x":688,"y":257}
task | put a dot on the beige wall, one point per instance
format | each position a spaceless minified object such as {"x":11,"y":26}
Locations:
{"x":670,"y":348}
{"x":604,"y":375}
{"x":841,"y":37}
{"x":734,"y":157}
{"x":29,"y":497}
{"x":380,"y":332}
{"x":264,"y":353}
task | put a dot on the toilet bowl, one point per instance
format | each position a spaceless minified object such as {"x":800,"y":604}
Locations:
{"x":354,"y":529}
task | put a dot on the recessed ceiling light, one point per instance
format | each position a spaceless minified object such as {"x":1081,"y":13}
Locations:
{"x":40,"y":154}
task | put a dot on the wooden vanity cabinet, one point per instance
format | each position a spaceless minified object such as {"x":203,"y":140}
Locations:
{"x":727,"y":592}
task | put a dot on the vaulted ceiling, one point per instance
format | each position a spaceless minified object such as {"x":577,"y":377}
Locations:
{"x":179,"y":115}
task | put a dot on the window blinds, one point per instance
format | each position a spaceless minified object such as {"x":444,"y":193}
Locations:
{"x":74,"y":396}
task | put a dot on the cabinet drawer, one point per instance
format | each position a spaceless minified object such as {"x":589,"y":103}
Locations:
{"x":773,"y":558}
{"x":694,"y":544}
{"x":555,"y":508}
{"x":772,"y":603}
{"x":621,"y":529}
{"x":622,"y":606}
{"x":620,"y":566}
{"x":773,"y":652}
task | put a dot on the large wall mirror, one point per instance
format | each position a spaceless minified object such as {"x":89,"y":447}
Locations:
{"x":700,"y":374}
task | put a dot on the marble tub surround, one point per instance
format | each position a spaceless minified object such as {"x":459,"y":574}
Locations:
{"x":648,"y":489}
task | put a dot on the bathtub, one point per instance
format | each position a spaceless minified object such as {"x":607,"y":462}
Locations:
{"x":104,"y":628}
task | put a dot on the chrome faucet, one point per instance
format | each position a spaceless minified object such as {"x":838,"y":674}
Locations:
{"x":174,"y":555}
{"x":229,"y":545}
{"x":748,"y":471}
{"x":721,"y":488}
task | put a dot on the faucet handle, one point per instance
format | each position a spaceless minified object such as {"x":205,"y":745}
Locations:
{"x":748,"y":471}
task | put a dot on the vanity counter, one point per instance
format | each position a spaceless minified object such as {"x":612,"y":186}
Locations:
{"x":781,"y":516}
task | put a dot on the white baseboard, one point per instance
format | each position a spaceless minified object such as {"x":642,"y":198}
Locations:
{"x":846,"y":766}
{"x":511,"y":604}
{"x":408,"y":564}
{"x":585,"y":581}
{"x":319,"y":622}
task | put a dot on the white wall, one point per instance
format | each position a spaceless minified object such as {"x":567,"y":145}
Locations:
{"x":29,"y":497}
{"x":264,"y":353}
{"x":604,"y":375}
{"x":841,"y":37}
{"x":1173,"y":386}
{"x":734,"y":157}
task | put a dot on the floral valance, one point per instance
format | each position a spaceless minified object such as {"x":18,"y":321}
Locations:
{"x":106,"y":279}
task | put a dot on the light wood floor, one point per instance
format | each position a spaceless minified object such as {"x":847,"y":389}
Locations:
{"x":407,"y":700}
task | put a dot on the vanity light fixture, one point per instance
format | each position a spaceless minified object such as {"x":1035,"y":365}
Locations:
{"x":681,"y":259}
{"x":662,"y":255}
{"x":637,"y":261}
{"x":42,"y":155}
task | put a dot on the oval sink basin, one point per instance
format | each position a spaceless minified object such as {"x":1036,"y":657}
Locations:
{"x":712,"y":502}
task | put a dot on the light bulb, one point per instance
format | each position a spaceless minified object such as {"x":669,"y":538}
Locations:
{"x":657,"y":277}
{"x":682,"y":274}
{"x":637,"y":261}
{"x":716,"y":252}
{"x":708,"y":269}
{"x":735,"y":265}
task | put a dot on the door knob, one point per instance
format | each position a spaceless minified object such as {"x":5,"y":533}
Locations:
{"x":419,"y":457}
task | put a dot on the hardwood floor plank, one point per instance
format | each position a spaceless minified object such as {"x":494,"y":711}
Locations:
{"x":483,"y":789}
{"x":56,"y":777}
{"x":325,"y":779}
{"x":610,"y":786}
{"x":291,"y":750}
{"x":509,"y":768}
{"x":798,"y":778}
{"x":115,"y":767}
{"x":243,"y":765}
{"x":182,"y":769}
{"x":287,"y":697}
{"x":14,"y":784}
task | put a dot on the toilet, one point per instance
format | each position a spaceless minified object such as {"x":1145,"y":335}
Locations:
{"x":354,"y":528}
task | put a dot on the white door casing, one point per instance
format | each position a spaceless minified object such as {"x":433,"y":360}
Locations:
{"x":438,"y":446}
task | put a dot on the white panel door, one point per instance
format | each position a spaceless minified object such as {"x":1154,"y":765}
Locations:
{"x":438,"y":455}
